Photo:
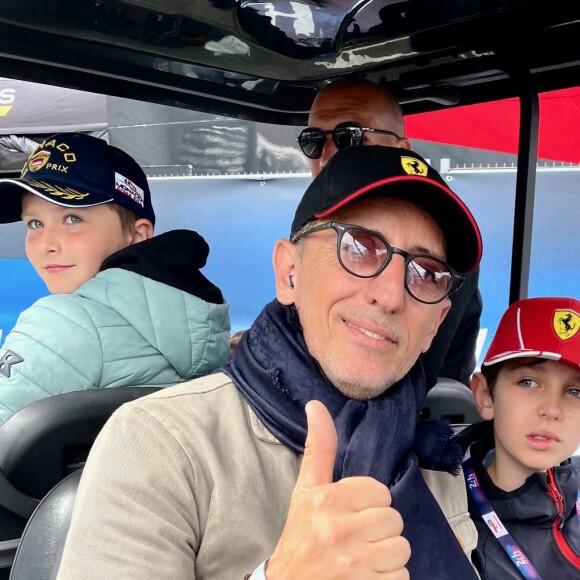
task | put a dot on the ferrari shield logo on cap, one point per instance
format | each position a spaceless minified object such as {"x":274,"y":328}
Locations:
{"x":38,"y":160}
{"x":566,"y":323}
{"x":412,"y":166}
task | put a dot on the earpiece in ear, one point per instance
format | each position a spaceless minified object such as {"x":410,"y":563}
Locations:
{"x":291,"y":280}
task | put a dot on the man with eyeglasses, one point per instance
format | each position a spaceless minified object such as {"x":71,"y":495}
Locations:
{"x":305,"y":457}
{"x":353,"y":112}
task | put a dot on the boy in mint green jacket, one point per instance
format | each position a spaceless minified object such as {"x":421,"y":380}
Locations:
{"x":127,"y":309}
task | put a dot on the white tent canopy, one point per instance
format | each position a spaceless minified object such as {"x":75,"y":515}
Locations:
{"x":33,"y":109}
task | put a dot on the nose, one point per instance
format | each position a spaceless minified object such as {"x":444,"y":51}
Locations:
{"x":49,"y":242}
{"x":388,"y":288}
{"x":550,"y":406}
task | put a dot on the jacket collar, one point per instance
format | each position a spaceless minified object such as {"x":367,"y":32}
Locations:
{"x":259,"y":429}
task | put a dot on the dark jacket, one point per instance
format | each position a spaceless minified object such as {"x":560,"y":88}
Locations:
{"x":530,"y":514}
{"x":452,"y":352}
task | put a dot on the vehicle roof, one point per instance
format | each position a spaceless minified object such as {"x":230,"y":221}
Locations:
{"x":266,"y":60}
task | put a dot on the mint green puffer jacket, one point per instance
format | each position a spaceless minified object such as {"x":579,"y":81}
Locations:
{"x":118,"y":329}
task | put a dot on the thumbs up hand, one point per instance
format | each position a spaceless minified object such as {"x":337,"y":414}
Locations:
{"x":337,"y":530}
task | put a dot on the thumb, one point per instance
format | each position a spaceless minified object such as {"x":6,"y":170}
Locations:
{"x":320,"y":448}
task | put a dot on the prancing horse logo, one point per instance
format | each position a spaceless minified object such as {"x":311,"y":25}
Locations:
{"x":566,"y":323}
{"x":412,"y":166}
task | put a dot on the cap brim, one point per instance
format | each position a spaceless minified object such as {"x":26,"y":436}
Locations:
{"x":464,"y":244}
{"x":511,"y":355}
{"x":11,"y":197}
{"x":555,"y":356}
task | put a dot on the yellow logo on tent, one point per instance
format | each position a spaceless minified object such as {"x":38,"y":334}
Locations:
{"x":7,"y":98}
{"x":566,"y":323}
{"x":412,"y":166}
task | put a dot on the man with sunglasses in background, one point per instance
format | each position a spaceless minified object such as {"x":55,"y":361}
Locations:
{"x":352,"y":112}
{"x":302,"y":459}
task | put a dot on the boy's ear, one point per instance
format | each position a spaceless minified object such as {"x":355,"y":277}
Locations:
{"x":284,"y":261}
{"x":142,"y":230}
{"x":482,"y":395}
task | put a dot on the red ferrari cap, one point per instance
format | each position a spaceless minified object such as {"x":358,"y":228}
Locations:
{"x":376,"y":170}
{"x":538,"y":327}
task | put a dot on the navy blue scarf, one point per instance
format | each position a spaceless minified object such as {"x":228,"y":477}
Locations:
{"x":277,"y":377}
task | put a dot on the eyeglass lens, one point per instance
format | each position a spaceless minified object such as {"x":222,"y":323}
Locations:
{"x":347,"y":136}
{"x":312,"y":140}
{"x":364,"y":254}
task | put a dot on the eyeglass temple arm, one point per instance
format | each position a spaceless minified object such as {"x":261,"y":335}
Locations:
{"x":384,"y":131}
{"x":457,"y":282}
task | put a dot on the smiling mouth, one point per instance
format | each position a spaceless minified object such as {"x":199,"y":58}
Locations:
{"x":56,"y":268}
{"x":369,"y":333}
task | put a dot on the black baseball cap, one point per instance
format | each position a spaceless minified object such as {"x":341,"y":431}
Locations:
{"x":393,"y":172}
{"x":77,"y":170}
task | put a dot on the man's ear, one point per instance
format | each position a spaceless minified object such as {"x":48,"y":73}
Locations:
{"x":428,"y":338}
{"x":284,"y":261}
{"x":142,"y":230}
{"x":404,"y":143}
{"x":482,"y":395}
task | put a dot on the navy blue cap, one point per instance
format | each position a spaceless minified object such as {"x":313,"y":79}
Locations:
{"x":376,"y":170}
{"x":77,"y":170}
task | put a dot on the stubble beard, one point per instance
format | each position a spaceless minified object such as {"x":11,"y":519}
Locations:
{"x":355,"y":387}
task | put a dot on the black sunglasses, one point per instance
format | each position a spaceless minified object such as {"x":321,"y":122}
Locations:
{"x":347,"y":134}
{"x":365,"y":254}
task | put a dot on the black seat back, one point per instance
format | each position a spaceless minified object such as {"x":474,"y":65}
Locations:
{"x":40,"y":550}
{"x":49,"y":439}
{"x":451,"y":401}
{"x":43,"y":443}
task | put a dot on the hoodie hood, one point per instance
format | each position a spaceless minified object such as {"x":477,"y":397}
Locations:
{"x":173,"y":258}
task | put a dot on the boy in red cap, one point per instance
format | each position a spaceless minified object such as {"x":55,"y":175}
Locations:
{"x":522,"y":484}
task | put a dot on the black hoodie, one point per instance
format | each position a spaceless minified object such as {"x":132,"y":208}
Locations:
{"x":173,"y":258}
